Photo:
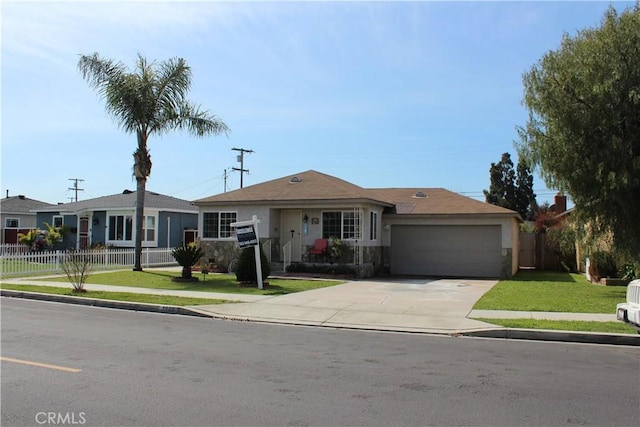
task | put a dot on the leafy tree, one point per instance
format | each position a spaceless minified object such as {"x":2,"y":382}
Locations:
{"x":31,"y":238}
{"x":583,"y":131}
{"x":52,"y":235}
{"x":509,"y":190}
{"x":151,"y":99}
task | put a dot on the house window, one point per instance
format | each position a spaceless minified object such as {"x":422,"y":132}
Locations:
{"x":217,"y":225}
{"x":57,"y":224}
{"x":373,"y":225}
{"x":342,"y":225}
{"x":149,"y":229}
{"x":349,"y":226}
{"x":120,"y":227}
{"x":12,"y":223}
{"x":331,"y":225}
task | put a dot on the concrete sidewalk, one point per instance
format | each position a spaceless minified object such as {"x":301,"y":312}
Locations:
{"x":436,"y":306}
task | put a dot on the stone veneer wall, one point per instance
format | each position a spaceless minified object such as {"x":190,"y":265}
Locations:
{"x":220,"y":252}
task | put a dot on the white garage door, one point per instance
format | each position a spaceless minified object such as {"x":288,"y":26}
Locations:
{"x":448,"y":251}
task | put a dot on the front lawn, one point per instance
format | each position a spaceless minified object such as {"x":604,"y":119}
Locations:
{"x":226,"y":283}
{"x":564,"y":325}
{"x":117,"y":296}
{"x":532,"y":290}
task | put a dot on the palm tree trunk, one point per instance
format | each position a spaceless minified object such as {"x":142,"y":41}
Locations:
{"x":141,"y":170}
{"x":141,"y":184}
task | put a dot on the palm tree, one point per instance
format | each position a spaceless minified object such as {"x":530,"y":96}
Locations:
{"x":151,"y":99}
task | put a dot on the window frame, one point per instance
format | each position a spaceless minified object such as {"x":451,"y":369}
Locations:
{"x":6,"y":220}
{"x":221,"y":222}
{"x":349,"y":226}
{"x":59,"y":226}
{"x":373,"y":225}
{"x":127,"y":220}
{"x":145,"y":230}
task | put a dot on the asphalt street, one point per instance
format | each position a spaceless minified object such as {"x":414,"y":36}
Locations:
{"x":108,"y":367}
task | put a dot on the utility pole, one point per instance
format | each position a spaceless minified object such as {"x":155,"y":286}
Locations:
{"x":225,"y":180}
{"x":241,"y":160}
{"x":75,"y":186}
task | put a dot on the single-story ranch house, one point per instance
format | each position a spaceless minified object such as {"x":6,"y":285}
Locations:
{"x":399,"y":231}
{"x":110,"y":220}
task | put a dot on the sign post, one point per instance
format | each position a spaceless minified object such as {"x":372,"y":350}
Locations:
{"x":247,"y":236}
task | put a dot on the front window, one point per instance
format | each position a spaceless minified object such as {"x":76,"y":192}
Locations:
{"x":342,"y":225}
{"x":57,"y":221}
{"x":57,"y":225}
{"x":120,"y":227}
{"x":12,"y":223}
{"x":217,"y":225}
{"x":149,"y":229}
{"x":373,"y":225}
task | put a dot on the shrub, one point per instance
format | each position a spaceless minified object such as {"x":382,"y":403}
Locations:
{"x":187,"y":257}
{"x":246,"y":267}
{"x":338,"y":250}
{"x":299,"y":267}
{"x":561,"y":239}
{"x":603,"y":264}
{"x":77,"y":266}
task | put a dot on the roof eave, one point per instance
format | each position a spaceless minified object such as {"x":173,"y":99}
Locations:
{"x":302,"y":202}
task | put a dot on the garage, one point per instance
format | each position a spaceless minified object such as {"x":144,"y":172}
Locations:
{"x":446,"y":250}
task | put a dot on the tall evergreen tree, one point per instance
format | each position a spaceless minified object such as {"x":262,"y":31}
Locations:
{"x":525,"y":197}
{"x":509,"y":190}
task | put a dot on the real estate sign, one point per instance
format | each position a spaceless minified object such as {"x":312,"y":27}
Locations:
{"x":246,"y":236}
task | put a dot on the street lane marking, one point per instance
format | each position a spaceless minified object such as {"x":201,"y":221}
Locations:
{"x":38,"y":364}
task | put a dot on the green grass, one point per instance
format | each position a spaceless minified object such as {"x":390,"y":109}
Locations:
{"x":563,"y":325}
{"x":213,"y":282}
{"x":9,"y":266}
{"x":532,"y":290}
{"x":117,"y":296}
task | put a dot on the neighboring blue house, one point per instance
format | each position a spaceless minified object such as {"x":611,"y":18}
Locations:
{"x":110,"y":220}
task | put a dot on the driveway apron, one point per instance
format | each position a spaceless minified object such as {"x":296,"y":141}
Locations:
{"x":394,"y":304}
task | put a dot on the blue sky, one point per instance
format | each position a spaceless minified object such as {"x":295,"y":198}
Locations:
{"x":381,"y":94}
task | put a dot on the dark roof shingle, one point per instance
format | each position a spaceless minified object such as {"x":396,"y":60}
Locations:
{"x":21,"y":205}
{"x":125,"y":200}
{"x":315,"y":186}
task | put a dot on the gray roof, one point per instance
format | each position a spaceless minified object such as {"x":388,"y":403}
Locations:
{"x":21,"y":205}
{"x":122,"y":201}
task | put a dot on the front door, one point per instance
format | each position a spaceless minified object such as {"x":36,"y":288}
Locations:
{"x":290,"y":231}
{"x":84,"y":232}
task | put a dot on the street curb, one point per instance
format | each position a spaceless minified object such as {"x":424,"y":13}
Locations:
{"x":502,"y":333}
{"x":121,"y":305}
{"x":553,"y":335}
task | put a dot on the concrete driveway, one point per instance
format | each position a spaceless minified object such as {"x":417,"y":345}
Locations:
{"x":394,"y":304}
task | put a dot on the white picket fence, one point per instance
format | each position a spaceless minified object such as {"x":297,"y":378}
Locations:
{"x":13,"y":248}
{"x":24,"y":264}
